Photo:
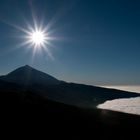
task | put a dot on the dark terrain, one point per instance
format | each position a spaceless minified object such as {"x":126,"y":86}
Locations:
{"x":28,"y":78}
{"x":28,"y":112}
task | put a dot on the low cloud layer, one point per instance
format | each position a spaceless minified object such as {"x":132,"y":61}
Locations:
{"x":130,"y":105}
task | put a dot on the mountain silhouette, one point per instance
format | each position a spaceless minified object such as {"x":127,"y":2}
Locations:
{"x":42,"y":84}
{"x":27,"y":75}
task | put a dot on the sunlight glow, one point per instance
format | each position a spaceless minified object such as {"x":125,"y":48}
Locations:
{"x":38,"y":37}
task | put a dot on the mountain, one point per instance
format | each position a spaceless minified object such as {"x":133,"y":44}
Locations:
{"x":27,"y":78}
{"x":27,"y":75}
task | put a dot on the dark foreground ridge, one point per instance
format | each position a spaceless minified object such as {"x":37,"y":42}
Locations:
{"x":29,"y":115}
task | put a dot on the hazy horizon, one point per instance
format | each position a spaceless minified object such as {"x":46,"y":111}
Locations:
{"x":132,"y":88}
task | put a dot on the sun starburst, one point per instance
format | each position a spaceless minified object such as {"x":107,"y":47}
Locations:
{"x":37,"y":35}
{"x":37,"y":38}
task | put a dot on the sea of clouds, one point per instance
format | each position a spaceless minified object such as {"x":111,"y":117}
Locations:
{"x":128,"y":105}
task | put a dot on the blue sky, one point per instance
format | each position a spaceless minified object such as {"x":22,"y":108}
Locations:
{"x":99,"y":45}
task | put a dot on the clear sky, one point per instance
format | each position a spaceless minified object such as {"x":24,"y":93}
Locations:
{"x":99,"y":40}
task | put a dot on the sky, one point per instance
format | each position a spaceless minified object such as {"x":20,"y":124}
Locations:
{"x":97,"y":41}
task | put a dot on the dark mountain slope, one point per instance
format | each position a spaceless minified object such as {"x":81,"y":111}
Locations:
{"x":32,"y":115}
{"x":28,"y":78}
{"x":27,"y":75}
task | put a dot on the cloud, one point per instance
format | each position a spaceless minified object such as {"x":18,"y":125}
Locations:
{"x":130,"y":105}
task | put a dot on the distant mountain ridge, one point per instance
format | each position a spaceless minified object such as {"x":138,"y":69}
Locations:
{"x":27,"y":78}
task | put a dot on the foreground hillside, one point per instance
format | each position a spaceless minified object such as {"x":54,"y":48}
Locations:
{"x":27,"y":114}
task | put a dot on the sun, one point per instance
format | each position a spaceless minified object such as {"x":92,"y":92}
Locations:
{"x":37,"y":38}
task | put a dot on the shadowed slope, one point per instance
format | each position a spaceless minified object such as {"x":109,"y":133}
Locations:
{"x":28,"y":114}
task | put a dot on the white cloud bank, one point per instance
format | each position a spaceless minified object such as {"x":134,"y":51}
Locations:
{"x":130,"y":105}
